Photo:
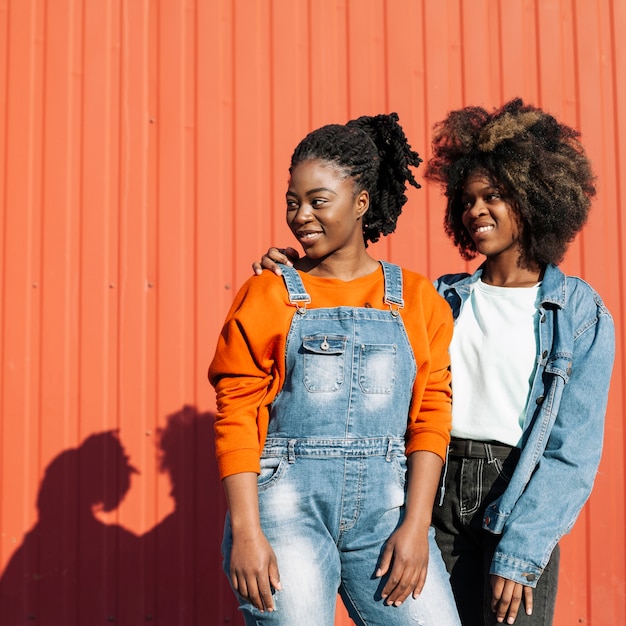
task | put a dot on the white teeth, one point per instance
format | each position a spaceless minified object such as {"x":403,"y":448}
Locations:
{"x":483,"y":229}
{"x":307,"y":235}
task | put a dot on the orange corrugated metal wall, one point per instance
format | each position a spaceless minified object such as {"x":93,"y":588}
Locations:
{"x":144,"y":150}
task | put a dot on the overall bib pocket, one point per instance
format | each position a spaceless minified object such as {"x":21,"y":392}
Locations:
{"x":377,"y":367}
{"x":324,"y":357}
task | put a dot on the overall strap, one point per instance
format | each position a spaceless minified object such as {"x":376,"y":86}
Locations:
{"x":393,"y":285}
{"x":295,"y":287}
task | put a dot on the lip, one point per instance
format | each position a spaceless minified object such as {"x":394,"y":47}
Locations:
{"x":479,"y":229}
{"x":307,"y":237}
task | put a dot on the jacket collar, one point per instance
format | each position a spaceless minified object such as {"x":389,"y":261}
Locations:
{"x":553,"y":285}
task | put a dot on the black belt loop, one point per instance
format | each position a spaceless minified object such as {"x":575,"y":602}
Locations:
{"x":469,"y":445}
{"x":489,"y":452}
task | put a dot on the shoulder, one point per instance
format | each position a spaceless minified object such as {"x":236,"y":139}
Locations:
{"x":412,"y":278}
{"x":417,"y":284}
{"x":264,"y":282}
{"x":265,"y":289}
{"x":581,"y":292}
{"x":447,"y":281}
{"x":420,"y":292}
{"x":574,"y":295}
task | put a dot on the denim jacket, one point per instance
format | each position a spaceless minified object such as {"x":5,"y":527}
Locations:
{"x":563,"y":426}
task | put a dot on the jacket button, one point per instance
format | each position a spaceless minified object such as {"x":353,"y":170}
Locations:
{"x":544,"y":354}
{"x":529,"y":577}
{"x":539,"y":400}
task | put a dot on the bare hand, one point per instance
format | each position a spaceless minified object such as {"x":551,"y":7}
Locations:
{"x":506,"y":598}
{"x":406,"y":553}
{"x":274,"y":258}
{"x":254,"y":571}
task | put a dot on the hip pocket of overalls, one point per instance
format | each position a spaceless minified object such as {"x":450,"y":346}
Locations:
{"x":324,"y":362}
{"x":272,"y":469}
{"x":377,"y":367}
{"x":399,"y":466}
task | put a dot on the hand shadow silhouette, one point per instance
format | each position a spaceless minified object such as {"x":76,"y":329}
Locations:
{"x":71,"y":568}
{"x":188,"y":585}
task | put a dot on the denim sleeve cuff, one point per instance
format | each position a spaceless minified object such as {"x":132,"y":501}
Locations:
{"x":515,"y":569}
{"x":493,"y":520}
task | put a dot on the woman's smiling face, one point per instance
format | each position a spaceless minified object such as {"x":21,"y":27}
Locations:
{"x":489,"y":218}
{"x":323,"y":211}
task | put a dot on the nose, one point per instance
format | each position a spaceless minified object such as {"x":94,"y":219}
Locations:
{"x":477,"y":208}
{"x":302,"y":214}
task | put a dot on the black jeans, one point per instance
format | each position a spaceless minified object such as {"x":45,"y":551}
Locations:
{"x":467,"y":549}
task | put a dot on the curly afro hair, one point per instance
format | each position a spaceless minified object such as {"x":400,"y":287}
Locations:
{"x":538,"y":164}
{"x":375,"y":153}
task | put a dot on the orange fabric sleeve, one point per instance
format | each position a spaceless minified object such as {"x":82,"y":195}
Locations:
{"x":248,"y":369}
{"x":429,"y":323}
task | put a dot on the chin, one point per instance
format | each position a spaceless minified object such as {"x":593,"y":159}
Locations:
{"x":313,"y":255}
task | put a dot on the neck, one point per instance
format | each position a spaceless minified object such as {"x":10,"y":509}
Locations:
{"x":343,"y":267}
{"x":510,"y":275}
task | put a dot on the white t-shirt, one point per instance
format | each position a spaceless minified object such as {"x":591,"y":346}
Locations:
{"x":493,"y":354}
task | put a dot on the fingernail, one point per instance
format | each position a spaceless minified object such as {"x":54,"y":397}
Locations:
{"x":397,"y":603}
{"x":378,"y":574}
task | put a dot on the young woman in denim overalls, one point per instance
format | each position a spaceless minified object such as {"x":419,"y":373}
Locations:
{"x":531,"y":358}
{"x":333,"y":393}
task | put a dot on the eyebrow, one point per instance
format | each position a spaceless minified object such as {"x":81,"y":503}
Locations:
{"x":312,"y":191}
{"x":488,"y":187}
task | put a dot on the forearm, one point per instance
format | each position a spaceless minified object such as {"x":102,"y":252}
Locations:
{"x":405,"y":556}
{"x":253,"y":567}
{"x":423,"y":474}
{"x":243,"y":503}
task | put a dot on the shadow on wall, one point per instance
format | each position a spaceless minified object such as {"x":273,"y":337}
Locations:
{"x":73,"y":570}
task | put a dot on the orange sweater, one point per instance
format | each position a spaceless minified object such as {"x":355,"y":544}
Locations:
{"x":248,"y":368}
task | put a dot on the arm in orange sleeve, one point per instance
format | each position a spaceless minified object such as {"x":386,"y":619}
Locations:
{"x":248,"y":370}
{"x":429,"y":324}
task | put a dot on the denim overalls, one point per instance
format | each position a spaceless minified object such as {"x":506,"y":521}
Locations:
{"x":332,"y":482}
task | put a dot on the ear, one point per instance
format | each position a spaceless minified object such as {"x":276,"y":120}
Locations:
{"x":362,"y":203}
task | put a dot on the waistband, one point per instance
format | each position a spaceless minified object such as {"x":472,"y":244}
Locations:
{"x":351,"y":446}
{"x":471,"y":449}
